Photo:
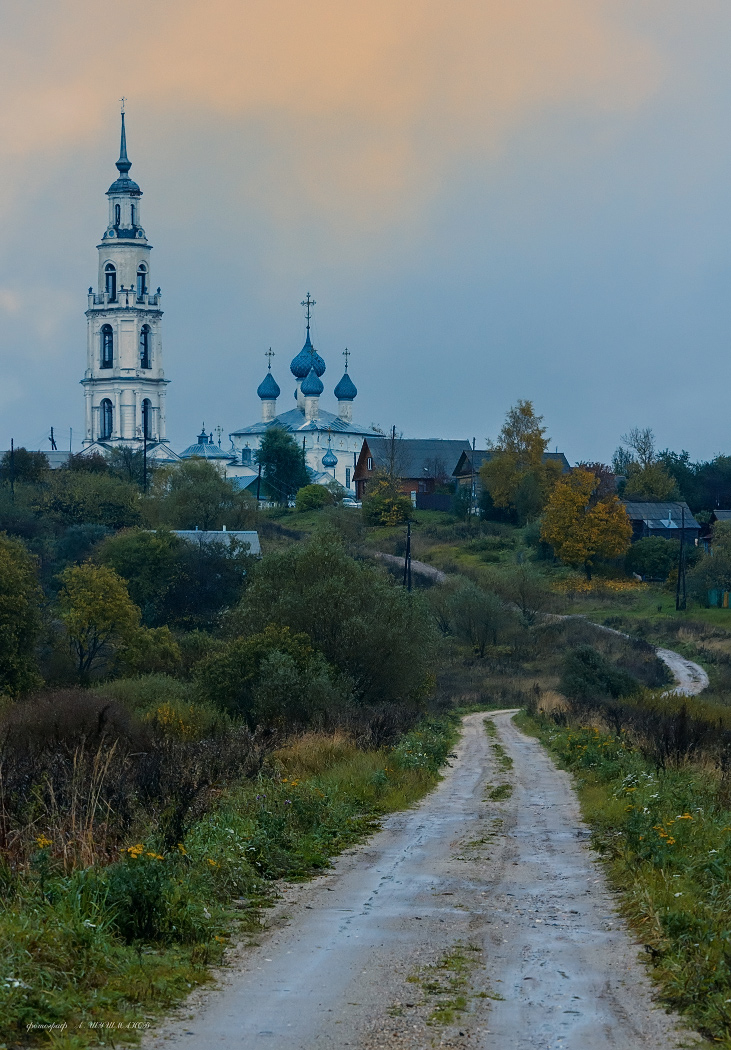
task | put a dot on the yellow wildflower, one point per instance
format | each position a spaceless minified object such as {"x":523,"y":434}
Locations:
{"x":43,"y":842}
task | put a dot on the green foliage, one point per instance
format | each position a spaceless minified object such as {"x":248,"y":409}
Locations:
{"x":652,"y":557}
{"x":313,"y":497}
{"x":72,"y":497}
{"x":474,"y":616}
{"x":282,"y":463}
{"x":375,"y":633}
{"x":24,"y":466}
{"x":649,"y":483}
{"x":384,"y":504}
{"x":147,"y":903}
{"x":150,"y":650}
{"x":588,"y":674}
{"x":664,"y":835}
{"x":20,"y":619}
{"x":271,"y":678}
{"x":97,"y":612}
{"x":177,"y":582}
{"x":147,"y":692}
{"x":193,"y":494}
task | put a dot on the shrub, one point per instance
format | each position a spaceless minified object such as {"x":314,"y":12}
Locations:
{"x":20,"y":601}
{"x":313,"y":497}
{"x":383,"y":504}
{"x":588,"y":675}
{"x":652,"y":557}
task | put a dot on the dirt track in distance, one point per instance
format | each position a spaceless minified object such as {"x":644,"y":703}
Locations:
{"x":363,"y":956}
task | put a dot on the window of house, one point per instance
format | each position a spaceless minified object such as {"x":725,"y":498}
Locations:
{"x":145,"y":346}
{"x":141,"y":280}
{"x":147,"y":418}
{"x":347,"y":477}
{"x":370,"y":463}
{"x":107,"y":346}
{"x":110,"y":282}
{"x":106,"y":419}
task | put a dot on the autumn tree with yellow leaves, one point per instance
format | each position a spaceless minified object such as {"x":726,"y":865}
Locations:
{"x":582,"y":527}
{"x":517,"y":475}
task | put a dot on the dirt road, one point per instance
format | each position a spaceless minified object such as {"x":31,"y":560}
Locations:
{"x":469,"y":921}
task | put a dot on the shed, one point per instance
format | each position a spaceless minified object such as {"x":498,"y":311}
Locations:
{"x":666,"y":520}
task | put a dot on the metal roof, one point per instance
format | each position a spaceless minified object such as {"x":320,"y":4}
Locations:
{"x":480,"y":456}
{"x":661,"y":512}
{"x":419,"y":457}
{"x":294,"y":420}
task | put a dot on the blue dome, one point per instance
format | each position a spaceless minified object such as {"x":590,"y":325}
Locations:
{"x":306,"y":359}
{"x":346,"y":389}
{"x":329,"y":459}
{"x":312,"y":384}
{"x":268,"y":389}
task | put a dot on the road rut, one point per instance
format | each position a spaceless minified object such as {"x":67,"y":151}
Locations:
{"x":343,"y":964}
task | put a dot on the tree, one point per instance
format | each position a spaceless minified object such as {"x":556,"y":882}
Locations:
{"x":637,"y":460}
{"x":516,"y":476}
{"x":193,"y":494}
{"x":97,"y":612}
{"x":72,"y":497}
{"x":24,"y":466}
{"x":282,"y":464}
{"x":274,"y":677}
{"x":581,"y":528}
{"x":713,"y":571}
{"x":175,"y":581}
{"x":375,"y":633}
{"x":20,"y":618}
{"x":314,"y":497}
{"x":150,"y":650}
{"x":383,"y":503}
{"x":477,"y":616}
{"x":653,"y":557}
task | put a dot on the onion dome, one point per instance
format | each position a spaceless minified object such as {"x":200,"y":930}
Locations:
{"x":306,"y":359}
{"x":124,"y":183}
{"x":312,"y":384}
{"x":329,"y":459}
{"x":268,"y":389}
{"x":346,"y":389}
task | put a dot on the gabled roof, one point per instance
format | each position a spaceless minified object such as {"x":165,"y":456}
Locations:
{"x":719,"y":515}
{"x":480,"y":456}
{"x":294,"y":421}
{"x":418,"y":457}
{"x":668,"y":515}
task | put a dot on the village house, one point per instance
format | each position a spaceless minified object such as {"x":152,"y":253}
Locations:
{"x":422,"y":466}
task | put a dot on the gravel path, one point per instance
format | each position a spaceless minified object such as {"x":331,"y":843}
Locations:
{"x":346,"y":961}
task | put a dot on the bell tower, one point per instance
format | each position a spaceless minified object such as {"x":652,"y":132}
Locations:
{"x":124,"y":383}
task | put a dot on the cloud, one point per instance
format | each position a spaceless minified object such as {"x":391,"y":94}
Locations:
{"x":362,"y":108}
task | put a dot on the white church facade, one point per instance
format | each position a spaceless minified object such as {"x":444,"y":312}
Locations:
{"x":125,"y":385}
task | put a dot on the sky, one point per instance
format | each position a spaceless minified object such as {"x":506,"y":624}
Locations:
{"x":488,"y":199}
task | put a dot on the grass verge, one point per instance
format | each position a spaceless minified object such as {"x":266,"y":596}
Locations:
{"x":115,"y":946}
{"x":665,"y":836}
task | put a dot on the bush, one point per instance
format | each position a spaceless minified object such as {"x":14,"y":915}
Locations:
{"x":383,"y":504}
{"x":588,"y":675}
{"x":20,"y":621}
{"x":314,"y":497}
{"x":653,"y":557}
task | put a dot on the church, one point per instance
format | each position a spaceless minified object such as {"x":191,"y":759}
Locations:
{"x":125,"y":385}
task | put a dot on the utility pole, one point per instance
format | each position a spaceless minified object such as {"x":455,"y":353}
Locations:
{"x":472,"y":480}
{"x":258,"y":487}
{"x":144,"y":455}
{"x":53,"y":441}
{"x":680,"y":592}
{"x":407,"y":558}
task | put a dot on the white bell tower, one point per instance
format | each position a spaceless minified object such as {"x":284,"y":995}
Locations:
{"x":124,"y":383}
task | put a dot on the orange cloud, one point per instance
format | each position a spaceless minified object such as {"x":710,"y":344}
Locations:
{"x":366,"y":105}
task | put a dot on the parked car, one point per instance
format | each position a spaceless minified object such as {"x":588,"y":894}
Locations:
{"x":349,"y":502}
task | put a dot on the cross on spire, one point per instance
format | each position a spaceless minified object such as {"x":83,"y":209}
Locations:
{"x":346,"y":355}
{"x":308,"y":303}
{"x":219,"y":431}
{"x":123,"y":100}
{"x":270,"y":354}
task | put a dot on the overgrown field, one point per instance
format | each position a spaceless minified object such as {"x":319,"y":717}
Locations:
{"x":120,"y":941}
{"x":664,"y":830}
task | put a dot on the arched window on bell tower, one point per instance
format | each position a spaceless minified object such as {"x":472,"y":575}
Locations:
{"x":147,"y":418}
{"x":106,"y":419}
{"x":117,"y":214}
{"x":110,"y":282}
{"x":141,"y":280}
{"x":145,"y":354}
{"x":107,"y":346}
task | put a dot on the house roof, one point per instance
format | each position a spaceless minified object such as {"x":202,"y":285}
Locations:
{"x":294,"y":420}
{"x":722,"y":515}
{"x":480,"y":456}
{"x":661,"y":515}
{"x":416,"y":457}
{"x":224,"y":537}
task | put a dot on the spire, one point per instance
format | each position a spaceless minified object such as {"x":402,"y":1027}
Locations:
{"x":124,"y":163}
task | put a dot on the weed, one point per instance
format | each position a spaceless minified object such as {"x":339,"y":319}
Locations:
{"x":446,"y":983}
{"x":500,"y":792}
